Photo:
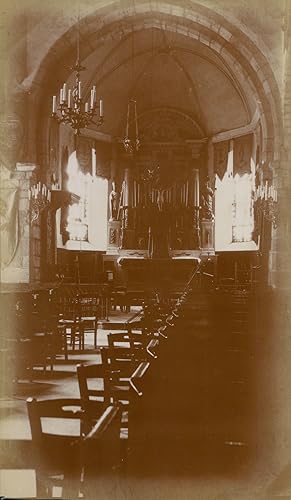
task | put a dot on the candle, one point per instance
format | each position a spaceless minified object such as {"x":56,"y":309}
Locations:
{"x":94,"y":166}
{"x":101,"y":107}
{"x":92,"y":100}
{"x":79,"y":90}
{"x":65,"y":91}
{"x":87,"y":107}
{"x":54,"y":103}
{"x":69,"y":98}
{"x":61,"y":96}
{"x":93,"y":91}
{"x":133,"y":195}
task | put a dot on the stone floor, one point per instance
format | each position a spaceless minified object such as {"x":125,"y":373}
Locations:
{"x":255,"y":481}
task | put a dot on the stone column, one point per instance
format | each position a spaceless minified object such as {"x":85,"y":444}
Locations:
{"x":195,"y":238}
{"x":114,"y":225}
{"x":207,"y":215}
{"x":127,"y":231}
{"x":276,"y":407}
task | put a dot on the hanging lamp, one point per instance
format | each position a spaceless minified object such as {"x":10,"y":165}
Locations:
{"x":71,"y":108}
{"x":131,"y":140}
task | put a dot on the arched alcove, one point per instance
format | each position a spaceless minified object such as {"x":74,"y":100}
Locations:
{"x":217,"y":42}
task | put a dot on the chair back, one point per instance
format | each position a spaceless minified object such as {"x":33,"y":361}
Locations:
{"x":94,"y":386}
{"x":63,"y":453}
{"x":121,"y":361}
{"x":126,"y":339}
{"x":88,"y":305}
{"x":40,"y":412}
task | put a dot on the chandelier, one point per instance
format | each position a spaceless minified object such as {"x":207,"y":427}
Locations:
{"x":266,"y":200}
{"x":131,"y":141}
{"x":71,"y":107}
{"x":39,"y":196}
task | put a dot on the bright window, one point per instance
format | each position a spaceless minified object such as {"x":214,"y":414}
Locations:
{"x":242,"y":215}
{"x":87,"y":219}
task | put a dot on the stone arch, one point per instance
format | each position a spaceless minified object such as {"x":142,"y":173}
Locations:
{"x":232,"y":44}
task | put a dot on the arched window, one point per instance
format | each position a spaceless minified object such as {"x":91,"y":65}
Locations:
{"x":234,"y":166}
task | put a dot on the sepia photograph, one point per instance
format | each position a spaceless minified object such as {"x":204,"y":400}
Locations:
{"x":145,"y":249}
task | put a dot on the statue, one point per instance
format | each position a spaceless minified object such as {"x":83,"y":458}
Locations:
{"x":207,"y":201}
{"x":113,"y":199}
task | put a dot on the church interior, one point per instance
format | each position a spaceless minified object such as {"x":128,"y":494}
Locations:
{"x":145,"y":249}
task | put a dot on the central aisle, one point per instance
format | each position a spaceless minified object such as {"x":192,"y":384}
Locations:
{"x":197,"y":413}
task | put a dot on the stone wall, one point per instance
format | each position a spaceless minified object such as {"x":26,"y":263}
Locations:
{"x":25,"y":265}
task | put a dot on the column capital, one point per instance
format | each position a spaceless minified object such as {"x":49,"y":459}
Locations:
{"x":26,"y":167}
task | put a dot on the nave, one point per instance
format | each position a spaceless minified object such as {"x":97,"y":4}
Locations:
{"x":145,"y":249}
{"x":188,"y":413}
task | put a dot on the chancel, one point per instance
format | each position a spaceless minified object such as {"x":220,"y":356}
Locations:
{"x":145,"y":249}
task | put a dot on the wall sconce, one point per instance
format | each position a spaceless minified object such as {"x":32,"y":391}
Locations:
{"x":40,"y":198}
{"x":266,"y":200}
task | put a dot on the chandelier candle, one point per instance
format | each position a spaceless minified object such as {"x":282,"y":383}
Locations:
{"x":72,"y":109}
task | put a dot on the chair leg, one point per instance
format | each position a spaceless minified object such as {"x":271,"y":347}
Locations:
{"x":82,"y":337}
{"x":65,"y":346}
{"x":73,"y":338}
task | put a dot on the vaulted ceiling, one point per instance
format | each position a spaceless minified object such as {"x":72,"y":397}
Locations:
{"x":200,"y":67}
{"x":165,"y":71}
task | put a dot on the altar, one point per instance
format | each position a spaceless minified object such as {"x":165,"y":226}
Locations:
{"x":163,"y":274}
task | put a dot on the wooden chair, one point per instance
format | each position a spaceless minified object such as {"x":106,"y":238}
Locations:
{"x":73,"y":329}
{"x":63,"y":453}
{"x":69,"y":318}
{"x":97,"y":391}
{"x":88,"y":311}
{"x":120,"y":363}
{"x":94,"y":386}
{"x":36,"y":351}
{"x":120,"y":298}
{"x":141,"y":385}
{"x":127,"y":338}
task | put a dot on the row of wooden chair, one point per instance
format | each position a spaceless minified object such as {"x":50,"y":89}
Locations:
{"x":110,"y":392}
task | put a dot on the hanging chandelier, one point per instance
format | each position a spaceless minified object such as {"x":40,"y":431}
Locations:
{"x":131,"y":141}
{"x":71,"y":107}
